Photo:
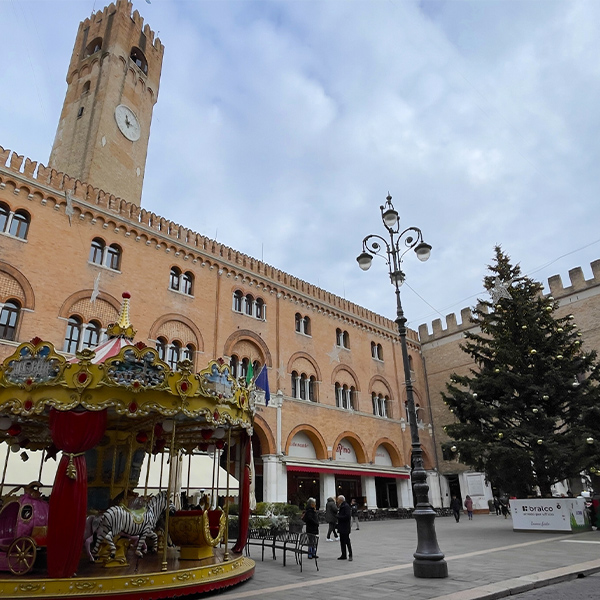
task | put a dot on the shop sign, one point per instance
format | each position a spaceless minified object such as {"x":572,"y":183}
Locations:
{"x":382,"y":457}
{"x":345,"y":452}
{"x":302,"y":447}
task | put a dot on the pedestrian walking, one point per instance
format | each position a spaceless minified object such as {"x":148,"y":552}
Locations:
{"x":497,"y":505}
{"x":456,"y":507}
{"x":344,"y":527}
{"x":331,"y":511}
{"x":504,"y":507}
{"x":311,"y":518}
{"x":354,"y":508}
{"x":469,"y":507}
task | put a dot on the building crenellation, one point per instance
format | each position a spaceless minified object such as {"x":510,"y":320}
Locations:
{"x":143,"y":225}
{"x":578,"y":284}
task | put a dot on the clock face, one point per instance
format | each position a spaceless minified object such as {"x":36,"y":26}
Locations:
{"x":127,"y":122}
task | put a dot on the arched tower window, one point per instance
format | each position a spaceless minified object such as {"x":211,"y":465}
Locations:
{"x":173,"y":355}
{"x":174,"y":278}
{"x":97,"y":251}
{"x":137,"y":56}
{"x":238,"y":298}
{"x":94,"y":46}
{"x":161,"y":347}
{"x":4,"y":215}
{"x":113,"y":257}
{"x":91,"y":335}
{"x":187,"y":283}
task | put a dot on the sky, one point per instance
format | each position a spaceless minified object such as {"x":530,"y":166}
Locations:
{"x":281,"y":127}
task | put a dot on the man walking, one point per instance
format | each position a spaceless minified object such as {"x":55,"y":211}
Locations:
{"x":456,"y":507}
{"x":331,"y":512}
{"x":354,"y":508}
{"x":344,"y":526}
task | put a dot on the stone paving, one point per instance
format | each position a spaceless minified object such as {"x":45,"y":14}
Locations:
{"x":486,"y":560}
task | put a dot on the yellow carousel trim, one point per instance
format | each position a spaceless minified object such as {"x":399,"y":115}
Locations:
{"x":97,"y":586}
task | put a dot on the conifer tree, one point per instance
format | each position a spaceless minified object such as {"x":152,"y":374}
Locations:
{"x":528,"y":414}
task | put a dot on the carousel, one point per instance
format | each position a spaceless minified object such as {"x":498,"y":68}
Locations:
{"x":108,"y":416}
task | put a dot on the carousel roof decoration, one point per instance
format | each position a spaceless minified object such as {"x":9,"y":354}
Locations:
{"x":129,"y":379}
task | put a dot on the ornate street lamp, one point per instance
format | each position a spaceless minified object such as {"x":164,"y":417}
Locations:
{"x":429,"y":560}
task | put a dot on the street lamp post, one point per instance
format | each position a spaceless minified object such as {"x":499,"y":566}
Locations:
{"x":429,"y":560}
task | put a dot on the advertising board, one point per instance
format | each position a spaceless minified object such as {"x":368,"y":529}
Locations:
{"x":549,"y":514}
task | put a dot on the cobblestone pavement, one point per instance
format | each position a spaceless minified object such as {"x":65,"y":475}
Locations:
{"x":486,"y":559}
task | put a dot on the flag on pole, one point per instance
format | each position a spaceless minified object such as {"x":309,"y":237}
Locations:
{"x":262,"y":382}
{"x":249,"y":373}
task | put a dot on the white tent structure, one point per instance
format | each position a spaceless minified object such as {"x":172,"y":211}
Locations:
{"x":195,"y":475}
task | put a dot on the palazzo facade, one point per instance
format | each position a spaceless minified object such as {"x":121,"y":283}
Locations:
{"x":73,"y":237}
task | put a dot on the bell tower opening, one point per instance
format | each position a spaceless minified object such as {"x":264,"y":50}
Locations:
{"x":112,"y":87}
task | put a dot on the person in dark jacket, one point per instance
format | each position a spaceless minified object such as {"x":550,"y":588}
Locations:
{"x":456,"y":507}
{"x":331,"y":511}
{"x":311,"y":518}
{"x":354,"y":507}
{"x":344,"y":527}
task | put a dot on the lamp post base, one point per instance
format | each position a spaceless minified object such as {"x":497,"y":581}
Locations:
{"x":429,"y":560}
{"x":427,"y":569}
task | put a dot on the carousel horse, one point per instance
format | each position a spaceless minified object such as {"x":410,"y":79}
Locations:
{"x":120,"y":520}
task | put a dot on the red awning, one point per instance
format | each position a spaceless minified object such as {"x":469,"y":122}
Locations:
{"x":334,"y":471}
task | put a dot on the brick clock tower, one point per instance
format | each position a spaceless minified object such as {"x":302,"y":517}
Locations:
{"x":112,"y":86}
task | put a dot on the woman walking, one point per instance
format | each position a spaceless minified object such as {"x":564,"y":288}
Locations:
{"x":469,"y":507}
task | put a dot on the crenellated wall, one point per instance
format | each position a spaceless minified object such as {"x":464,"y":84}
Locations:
{"x":579,"y":288}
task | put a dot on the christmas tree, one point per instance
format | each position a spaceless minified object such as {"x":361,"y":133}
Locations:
{"x":528,"y":414}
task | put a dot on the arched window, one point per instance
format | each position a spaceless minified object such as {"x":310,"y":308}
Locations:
{"x":376,"y":351}
{"x":244,"y":368}
{"x":295,"y":385}
{"x":303,"y":386}
{"x":86,"y":88}
{"x":94,"y":46}
{"x":410,"y":363}
{"x":173,"y":355}
{"x":74,"y":326}
{"x":187,"y":283}
{"x":189,"y":353}
{"x":19,"y":224}
{"x":342,"y":339}
{"x":380,"y":405}
{"x":91,"y":335}
{"x":161,"y":347}
{"x":238,"y":298}
{"x":249,"y":305}
{"x":302,"y":324}
{"x":174,"y":279}
{"x":344,"y":396}
{"x":346,"y":338}
{"x":137,"y":56}
{"x":97,"y":251}
{"x":113,"y":257}
{"x":234,"y":364}
{"x":259,"y":309}
{"x":9,"y":317}
{"x":312,"y":385}
{"x":4,"y":215}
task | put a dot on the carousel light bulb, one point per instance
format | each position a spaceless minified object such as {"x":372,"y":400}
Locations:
{"x":540,"y":442}
{"x":475,"y":396}
{"x":5,"y":423}
{"x":500,"y":435}
{"x":535,"y":411}
{"x":545,"y":397}
{"x":168,"y":425}
{"x":533,"y":351}
{"x":454,"y":448}
{"x":15,"y":447}
{"x":559,"y":357}
{"x":560,"y":330}
{"x":219,"y":433}
{"x":523,"y":326}
{"x":590,"y":440}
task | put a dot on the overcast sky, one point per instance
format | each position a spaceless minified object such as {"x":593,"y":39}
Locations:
{"x":281,"y":126}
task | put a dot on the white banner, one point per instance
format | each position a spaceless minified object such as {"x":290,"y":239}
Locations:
{"x":549,"y":514}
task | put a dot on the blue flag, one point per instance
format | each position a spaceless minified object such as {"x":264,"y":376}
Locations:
{"x":262,"y":382}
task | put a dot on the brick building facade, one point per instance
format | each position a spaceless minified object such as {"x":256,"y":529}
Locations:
{"x":73,"y":238}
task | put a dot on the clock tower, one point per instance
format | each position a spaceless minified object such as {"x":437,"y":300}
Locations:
{"x":112,"y":86}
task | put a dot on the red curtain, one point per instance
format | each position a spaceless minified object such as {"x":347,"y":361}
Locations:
{"x":244,"y":517}
{"x":73,"y":433}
